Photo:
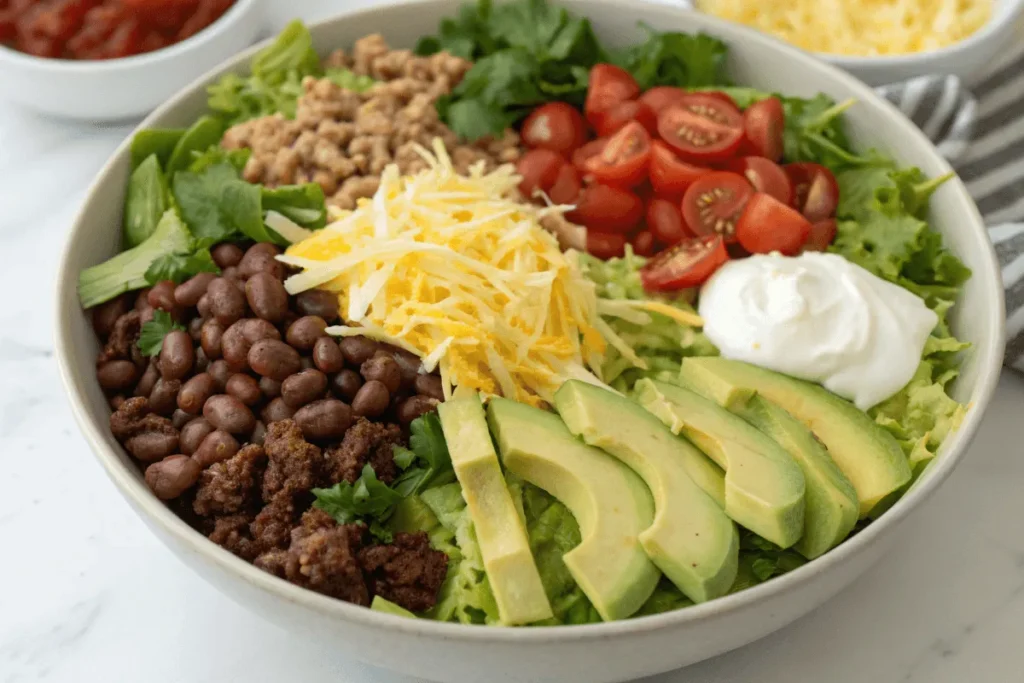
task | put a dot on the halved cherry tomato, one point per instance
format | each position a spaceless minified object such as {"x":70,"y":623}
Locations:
{"x":702,"y":129}
{"x":609,"y":85}
{"x":610,"y":120}
{"x":644,"y":243}
{"x":623,"y":158}
{"x":669,"y":175}
{"x":765,"y":175}
{"x":580,"y":156}
{"x":539,"y":169}
{"x":666,"y":222}
{"x":556,"y":126}
{"x":822,"y":234}
{"x":714,"y":203}
{"x":719,"y":95}
{"x":768,"y":225}
{"x":566,"y":187}
{"x":763,"y":124}
{"x":815,"y":190}
{"x":605,"y":245}
{"x":688,"y":264}
{"x":606,"y":208}
{"x":662,"y":97}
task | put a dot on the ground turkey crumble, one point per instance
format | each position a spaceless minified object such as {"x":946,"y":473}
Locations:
{"x":343,"y":140}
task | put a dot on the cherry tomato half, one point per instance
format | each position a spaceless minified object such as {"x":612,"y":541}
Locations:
{"x":815,"y":190}
{"x":765,"y":175}
{"x":644,"y":243}
{"x":668,"y":173}
{"x":662,"y":97}
{"x":605,"y":245}
{"x":610,"y":120}
{"x":623,"y":158}
{"x":715,"y":202}
{"x":606,"y":208}
{"x":539,"y":169}
{"x":763,"y":125}
{"x":556,"y":126}
{"x":768,"y":225}
{"x":702,"y":129}
{"x":566,"y":187}
{"x":666,"y":222}
{"x":688,"y":264}
{"x":719,"y":95}
{"x":608,"y":86}
{"x":822,"y":234}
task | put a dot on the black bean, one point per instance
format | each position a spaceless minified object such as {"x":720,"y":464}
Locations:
{"x":245,"y":388}
{"x":383,"y":368}
{"x":259,"y":433}
{"x":195,"y":329}
{"x":358,"y":350}
{"x":210,"y":337}
{"x":148,"y":381}
{"x":304,"y":332}
{"x":346,"y":384}
{"x":176,"y":355}
{"x":239,"y":338}
{"x":227,"y":303}
{"x":318,"y":302}
{"x":324,"y":419}
{"x":271,"y":388}
{"x":142,"y":300}
{"x":276,"y":411}
{"x":193,"y":433}
{"x":188,"y":293}
{"x":415,"y":406}
{"x":217,"y":446}
{"x":179,"y":418}
{"x":303,"y":387}
{"x":152,"y":446}
{"x":228,"y":413}
{"x":327,"y":356}
{"x":195,"y":391}
{"x":172,"y":476}
{"x":226,"y":254}
{"x":145,"y":315}
{"x":162,"y":296}
{"x":409,"y":363}
{"x":203,"y":307}
{"x":117,"y":375}
{"x":259,"y":258}
{"x":164,"y":397}
{"x":274,"y":359}
{"x":429,"y":385}
{"x":266,"y":296}
{"x":371,"y":400}
{"x":105,"y":315}
{"x":220,"y":371}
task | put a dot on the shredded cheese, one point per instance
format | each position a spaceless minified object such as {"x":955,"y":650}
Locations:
{"x":455,"y":270}
{"x":859,"y":27}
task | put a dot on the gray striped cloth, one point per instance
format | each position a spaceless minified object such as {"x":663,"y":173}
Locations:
{"x":981,"y":132}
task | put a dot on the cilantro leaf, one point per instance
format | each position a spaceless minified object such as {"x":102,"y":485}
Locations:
{"x":348,"y":503}
{"x":151,"y":337}
{"x":427,"y":442}
{"x":677,"y":59}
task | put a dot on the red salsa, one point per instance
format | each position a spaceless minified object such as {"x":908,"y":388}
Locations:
{"x":102,"y":29}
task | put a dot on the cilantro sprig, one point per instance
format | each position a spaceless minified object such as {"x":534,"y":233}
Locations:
{"x":151,"y":337}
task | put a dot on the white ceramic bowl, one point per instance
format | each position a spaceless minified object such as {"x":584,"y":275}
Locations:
{"x":598,"y":653}
{"x":117,"y":89}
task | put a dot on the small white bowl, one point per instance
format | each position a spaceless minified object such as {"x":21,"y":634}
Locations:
{"x":117,"y":89}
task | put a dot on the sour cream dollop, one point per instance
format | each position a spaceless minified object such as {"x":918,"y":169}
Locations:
{"x":821,"y":318}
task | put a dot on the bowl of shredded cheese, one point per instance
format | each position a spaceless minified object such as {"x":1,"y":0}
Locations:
{"x":882,"y":41}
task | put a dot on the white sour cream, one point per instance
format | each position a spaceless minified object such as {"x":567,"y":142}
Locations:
{"x":821,"y":318}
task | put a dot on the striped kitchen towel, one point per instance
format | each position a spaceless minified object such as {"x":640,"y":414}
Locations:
{"x":981,"y":133}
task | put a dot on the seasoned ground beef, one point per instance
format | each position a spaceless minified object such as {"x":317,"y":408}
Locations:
{"x":295,"y":464}
{"x":273,"y":525}
{"x":121,"y":342}
{"x":343,"y":140}
{"x":232,"y":533}
{"x":231,"y":486}
{"x":364,"y":442}
{"x":325,"y":560}
{"x":407,"y":572}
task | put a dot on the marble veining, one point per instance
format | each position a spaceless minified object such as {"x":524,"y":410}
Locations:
{"x":87,"y":594}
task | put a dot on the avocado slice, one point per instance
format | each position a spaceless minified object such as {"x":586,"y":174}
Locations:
{"x":764,"y":487}
{"x":610,"y":503}
{"x":379,"y":604}
{"x":505,"y":548}
{"x":831,"y":506}
{"x":867,"y":454}
{"x":691,"y":539}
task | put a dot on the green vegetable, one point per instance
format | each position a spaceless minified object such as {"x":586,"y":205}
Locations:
{"x":347,"y":503}
{"x":303,"y":204}
{"x":203,"y":134}
{"x":158,"y":141}
{"x":180,"y":266}
{"x":343,"y":78}
{"x":217,"y":155}
{"x":127,"y":270}
{"x":677,"y":59}
{"x":145,"y":201}
{"x":151,"y":337}
{"x":426,"y":440}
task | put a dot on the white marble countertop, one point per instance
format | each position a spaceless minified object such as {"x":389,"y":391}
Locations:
{"x":88,"y":594}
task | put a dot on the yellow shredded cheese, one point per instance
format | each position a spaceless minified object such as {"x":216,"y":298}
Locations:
{"x":859,"y":27}
{"x":453,"y":269}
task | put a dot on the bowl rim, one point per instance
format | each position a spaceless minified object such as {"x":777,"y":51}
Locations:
{"x":141,"y":498}
{"x":105,"y":66}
